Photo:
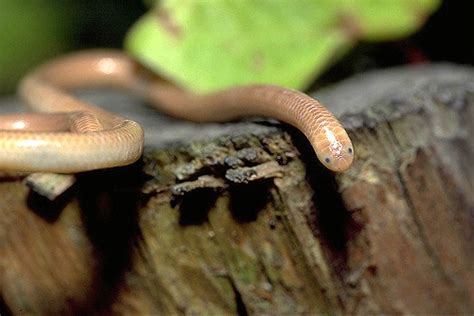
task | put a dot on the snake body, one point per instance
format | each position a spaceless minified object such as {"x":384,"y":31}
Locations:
{"x":67,"y":135}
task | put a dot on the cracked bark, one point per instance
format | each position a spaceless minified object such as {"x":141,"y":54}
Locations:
{"x":240,"y":218}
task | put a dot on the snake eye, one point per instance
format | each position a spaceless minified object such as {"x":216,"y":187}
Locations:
{"x":350,"y":150}
{"x":327,"y":160}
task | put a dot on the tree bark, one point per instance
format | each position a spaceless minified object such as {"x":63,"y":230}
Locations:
{"x":241,"y":218}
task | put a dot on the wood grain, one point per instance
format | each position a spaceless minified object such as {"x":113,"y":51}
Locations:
{"x":240,"y":218}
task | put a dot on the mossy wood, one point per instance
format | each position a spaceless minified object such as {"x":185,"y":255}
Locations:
{"x":241,"y":218}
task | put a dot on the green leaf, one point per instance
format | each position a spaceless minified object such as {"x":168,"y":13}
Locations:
{"x":30,"y":31}
{"x":210,"y":45}
{"x":379,"y":20}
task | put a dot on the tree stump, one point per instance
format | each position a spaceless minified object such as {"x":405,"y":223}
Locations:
{"x":240,"y":218}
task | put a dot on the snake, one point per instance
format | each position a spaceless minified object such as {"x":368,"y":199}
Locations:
{"x":64,"y":134}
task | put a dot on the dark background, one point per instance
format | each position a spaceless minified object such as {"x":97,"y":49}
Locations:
{"x":447,"y":36}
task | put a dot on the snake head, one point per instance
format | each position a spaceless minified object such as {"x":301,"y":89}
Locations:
{"x":335,"y":150}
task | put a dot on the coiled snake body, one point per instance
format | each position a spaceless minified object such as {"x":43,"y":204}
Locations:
{"x":67,"y":135}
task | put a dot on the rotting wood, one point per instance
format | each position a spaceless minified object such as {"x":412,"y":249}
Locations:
{"x":50,"y":185}
{"x":235,"y":219}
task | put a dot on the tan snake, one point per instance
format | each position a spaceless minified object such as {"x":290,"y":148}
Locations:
{"x":67,"y":135}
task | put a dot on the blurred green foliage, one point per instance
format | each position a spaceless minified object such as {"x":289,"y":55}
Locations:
{"x":208,"y":45}
{"x":30,"y":31}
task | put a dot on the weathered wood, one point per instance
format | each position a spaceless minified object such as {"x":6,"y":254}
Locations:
{"x":234,"y":218}
{"x":408,"y":243}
